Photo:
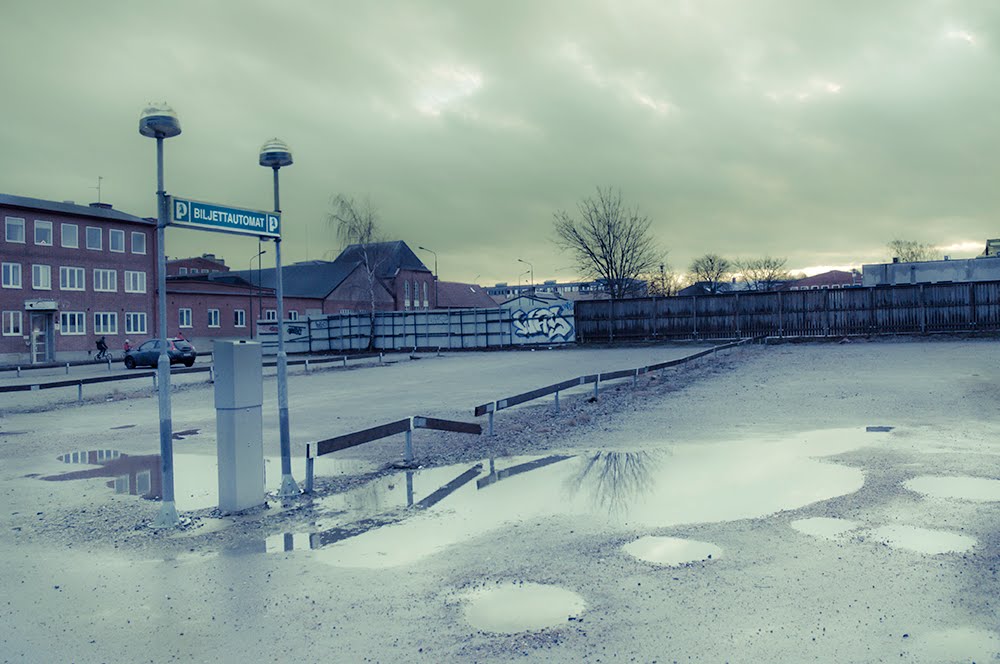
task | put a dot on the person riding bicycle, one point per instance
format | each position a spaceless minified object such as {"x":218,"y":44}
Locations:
{"x":102,"y":347}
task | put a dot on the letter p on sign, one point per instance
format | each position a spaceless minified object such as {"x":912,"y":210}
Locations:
{"x":272,"y":223}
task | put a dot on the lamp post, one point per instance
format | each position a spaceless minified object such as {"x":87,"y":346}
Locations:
{"x":531,"y":268}
{"x":260,"y":252}
{"x":435,"y":274}
{"x":159,"y":121}
{"x":274,"y":154}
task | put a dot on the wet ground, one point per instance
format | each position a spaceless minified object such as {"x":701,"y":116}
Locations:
{"x":703,"y":516}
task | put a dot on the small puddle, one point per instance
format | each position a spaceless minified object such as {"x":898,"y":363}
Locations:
{"x":671,"y":551}
{"x":181,"y":435}
{"x":923,"y":540}
{"x":824,"y":527}
{"x":124,"y":426}
{"x":978,"y":489}
{"x":521,"y":607}
{"x":960,"y":644}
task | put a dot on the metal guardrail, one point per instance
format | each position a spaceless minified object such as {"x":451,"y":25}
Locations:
{"x":379,"y":432}
{"x":508,"y":402}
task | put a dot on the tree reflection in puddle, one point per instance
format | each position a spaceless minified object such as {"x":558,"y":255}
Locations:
{"x":616,"y":481}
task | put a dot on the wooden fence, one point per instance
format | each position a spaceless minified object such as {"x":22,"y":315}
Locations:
{"x":908,"y":309}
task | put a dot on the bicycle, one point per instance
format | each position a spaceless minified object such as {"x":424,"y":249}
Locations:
{"x":103,"y":353}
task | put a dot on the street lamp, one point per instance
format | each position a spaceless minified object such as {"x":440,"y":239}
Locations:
{"x":531,"y":268}
{"x":159,"y":121}
{"x":435,"y":274}
{"x":275,"y":154}
{"x":260,"y":252}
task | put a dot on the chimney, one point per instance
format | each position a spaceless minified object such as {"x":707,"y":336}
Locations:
{"x":947,"y":258}
{"x":895,"y":259}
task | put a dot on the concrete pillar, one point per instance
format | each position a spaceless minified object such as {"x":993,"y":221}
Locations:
{"x":239,"y":394}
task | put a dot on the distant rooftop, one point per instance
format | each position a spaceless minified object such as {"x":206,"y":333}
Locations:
{"x":96,"y":210}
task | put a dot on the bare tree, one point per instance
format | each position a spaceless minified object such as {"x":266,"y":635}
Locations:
{"x":712,"y":269}
{"x":910,"y":251}
{"x":357,"y":223}
{"x":763,"y":274}
{"x":609,"y":242}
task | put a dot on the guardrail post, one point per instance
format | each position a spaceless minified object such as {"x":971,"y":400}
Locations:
{"x":409,"y":443}
{"x":380,"y":357}
{"x":345,"y":361}
{"x":155,"y":385}
{"x":109,"y":364}
{"x":493,"y":408}
{"x":79,"y":391}
{"x":19,"y":372}
{"x":211,"y":374}
{"x":635,"y":379}
{"x":307,"y":365}
{"x":310,"y":461}
{"x":597,"y":385}
{"x":67,"y":368}
{"x":557,"y":401}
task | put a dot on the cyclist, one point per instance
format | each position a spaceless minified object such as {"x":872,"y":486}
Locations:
{"x":102,"y":348}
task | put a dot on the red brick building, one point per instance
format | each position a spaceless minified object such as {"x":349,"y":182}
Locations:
{"x":204,"y":264}
{"x":71,"y":274}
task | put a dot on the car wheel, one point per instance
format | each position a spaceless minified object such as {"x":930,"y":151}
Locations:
{"x":129,"y":362}
{"x":189,"y":363}
{"x":154,"y":363}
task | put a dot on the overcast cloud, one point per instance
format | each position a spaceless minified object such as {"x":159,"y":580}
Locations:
{"x":817,"y":131}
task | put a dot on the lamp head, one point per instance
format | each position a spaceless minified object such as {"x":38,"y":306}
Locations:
{"x":159,"y":121}
{"x":275,"y":154}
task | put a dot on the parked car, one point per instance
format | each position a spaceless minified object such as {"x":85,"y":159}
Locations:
{"x":148,"y":354}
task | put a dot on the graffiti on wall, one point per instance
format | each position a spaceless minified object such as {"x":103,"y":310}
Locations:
{"x":548,"y":323}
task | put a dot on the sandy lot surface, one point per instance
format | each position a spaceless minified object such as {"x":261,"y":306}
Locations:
{"x":734,"y":510}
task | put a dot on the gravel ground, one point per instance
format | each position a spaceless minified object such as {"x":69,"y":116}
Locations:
{"x":89,"y":581}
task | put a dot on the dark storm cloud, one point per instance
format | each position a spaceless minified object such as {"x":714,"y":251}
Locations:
{"x":816,"y":131}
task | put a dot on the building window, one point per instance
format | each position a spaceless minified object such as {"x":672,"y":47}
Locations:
{"x":135,"y":282}
{"x":72,"y":278}
{"x":106,"y":322}
{"x":43,"y":233}
{"x":70,"y":236}
{"x":293,"y":315}
{"x":184,"y":317}
{"x":213,"y":318}
{"x":239,"y":318}
{"x":406,"y":294}
{"x":15,"y":229}
{"x":116,"y":240}
{"x":105,"y":281}
{"x":183,"y":270}
{"x":41,"y":277}
{"x":138,"y":242}
{"x":427,"y":303}
{"x":93,"y":238}
{"x":12,"y":323}
{"x":135,"y":322}
{"x":270,"y":314}
{"x":11,"y":275}
{"x":72,"y":323}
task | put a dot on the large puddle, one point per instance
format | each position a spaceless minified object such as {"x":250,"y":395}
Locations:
{"x":519,"y":607}
{"x":923,"y":540}
{"x":977,"y":489}
{"x":671,"y":551}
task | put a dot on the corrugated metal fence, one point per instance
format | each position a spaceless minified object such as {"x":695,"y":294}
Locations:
{"x":918,"y":308}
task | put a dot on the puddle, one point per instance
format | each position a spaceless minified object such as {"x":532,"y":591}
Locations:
{"x":520,"y":607}
{"x":671,"y":551}
{"x":923,"y":540}
{"x":196,"y":476}
{"x":124,"y":426}
{"x":977,"y":489}
{"x":824,"y":527}
{"x":960,"y":644}
{"x":879,"y":429}
{"x":181,"y":435}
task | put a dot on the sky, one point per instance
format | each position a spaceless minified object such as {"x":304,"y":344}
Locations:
{"x":813,"y":131}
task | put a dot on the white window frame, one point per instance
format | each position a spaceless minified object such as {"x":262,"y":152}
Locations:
{"x":63,"y":236}
{"x":293,"y":314}
{"x":75,"y":327}
{"x":105,"y":281}
{"x":239,"y":318}
{"x":11,"y":223}
{"x":9,"y":327}
{"x":41,"y":277}
{"x":112,"y":234}
{"x":64,"y":280}
{"x":182,"y":270}
{"x":136,"y":235}
{"x":427,"y":303}
{"x":133,"y":320}
{"x":270,"y":314}
{"x":135,"y":281}
{"x":184,"y":317}
{"x":44,"y":225}
{"x":406,"y":294}
{"x":213,"y":318}
{"x":7,"y":273}
{"x":106,"y":322}
{"x":100,"y":238}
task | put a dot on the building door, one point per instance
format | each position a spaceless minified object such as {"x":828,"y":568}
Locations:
{"x":41,"y":337}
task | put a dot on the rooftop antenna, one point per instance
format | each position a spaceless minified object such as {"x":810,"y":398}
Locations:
{"x":98,"y":187}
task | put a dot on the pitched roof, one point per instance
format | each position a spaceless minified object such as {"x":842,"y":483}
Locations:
{"x":387,"y":257}
{"x":104,"y":211}
{"x":315,"y":279}
{"x":454,"y":295}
